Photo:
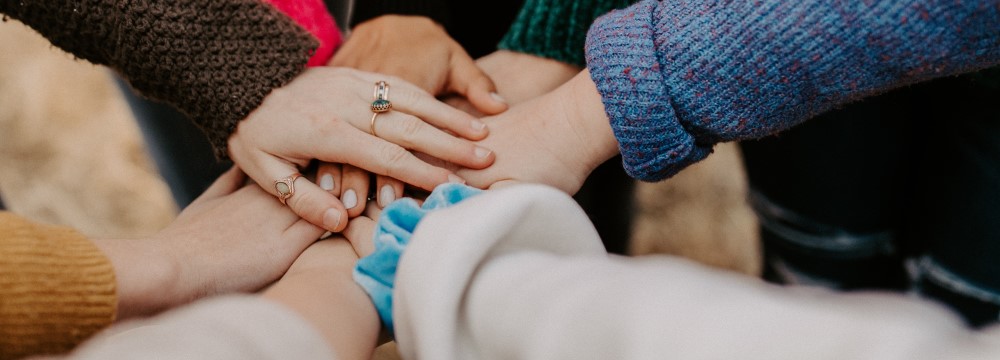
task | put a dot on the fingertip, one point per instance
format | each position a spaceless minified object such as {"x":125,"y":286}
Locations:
{"x":487,"y":101}
{"x":334,"y":220}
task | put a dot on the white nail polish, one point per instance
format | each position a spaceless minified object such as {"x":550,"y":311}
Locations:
{"x":386,"y":195}
{"x":497,"y":97}
{"x":478,"y":125}
{"x":350,"y":199}
{"x":326,"y":182}
{"x":482,"y":152}
{"x":452,"y":178}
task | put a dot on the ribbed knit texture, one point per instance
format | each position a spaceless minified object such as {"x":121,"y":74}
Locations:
{"x":556,"y":29}
{"x":56,"y":288}
{"x":677,"y":77}
{"x":214,"y":60}
{"x":437,"y":10}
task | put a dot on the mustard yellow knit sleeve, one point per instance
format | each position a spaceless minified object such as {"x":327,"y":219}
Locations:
{"x":56,"y":288}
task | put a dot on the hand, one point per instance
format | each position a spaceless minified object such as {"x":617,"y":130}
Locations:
{"x":519,"y":77}
{"x":556,"y":139}
{"x":325,"y":114}
{"x":233,"y":238}
{"x":418,"y":50}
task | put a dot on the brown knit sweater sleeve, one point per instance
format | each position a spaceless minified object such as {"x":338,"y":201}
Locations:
{"x":56,"y":288}
{"x":215,"y":60}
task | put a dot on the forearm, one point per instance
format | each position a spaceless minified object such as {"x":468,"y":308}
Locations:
{"x":214,"y":61}
{"x":329,"y":299}
{"x":678,"y":77}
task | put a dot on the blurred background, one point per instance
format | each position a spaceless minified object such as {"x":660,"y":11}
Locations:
{"x":71,"y":153}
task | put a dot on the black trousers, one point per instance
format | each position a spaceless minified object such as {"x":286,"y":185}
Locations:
{"x":910,"y":177}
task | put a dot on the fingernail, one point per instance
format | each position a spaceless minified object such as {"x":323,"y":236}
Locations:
{"x":452,"y":178}
{"x":482,"y":152}
{"x":497,"y":97}
{"x":325,"y":235}
{"x":331,"y":219}
{"x":326,"y":182}
{"x":350,"y":199}
{"x":386,"y":195}
{"x":478,"y":125}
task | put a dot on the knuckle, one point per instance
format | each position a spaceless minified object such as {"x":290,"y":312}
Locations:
{"x":392,"y":156}
{"x":410,"y":127}
{"x":411,"y":97}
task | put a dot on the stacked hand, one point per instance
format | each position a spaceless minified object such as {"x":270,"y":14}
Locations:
{"x":325,"y":114}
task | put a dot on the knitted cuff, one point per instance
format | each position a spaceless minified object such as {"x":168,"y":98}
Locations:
{"x":622,"y":60}
{"x":556,"y":29}
{"x":57,"y":288}
{"x":376,"y":273}
{"x":436,"y":10}
{"x":215,"y":61}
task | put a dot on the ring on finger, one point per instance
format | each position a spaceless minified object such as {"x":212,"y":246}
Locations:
{"x":375,"y":115}
{"x":381,"y":103}
{"x":286,"y":187}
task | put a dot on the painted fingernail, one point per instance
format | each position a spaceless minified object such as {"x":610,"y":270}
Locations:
{"x":482,"y":152}
{"x":326,"y":182}
{"x":452,"y":178}
{"x":331,"y":219}
{"x":350,"y":199}
{"x":497,"y":97}
{"x":386,"y":195}
{"x":478,"y":125}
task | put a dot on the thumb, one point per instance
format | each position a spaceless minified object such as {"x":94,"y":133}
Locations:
{"x":226,"y":184}
{"x":470,"y":81}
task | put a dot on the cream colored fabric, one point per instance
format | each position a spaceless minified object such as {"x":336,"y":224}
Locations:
{"x":233,"y":327}
{"x":520,"y":274}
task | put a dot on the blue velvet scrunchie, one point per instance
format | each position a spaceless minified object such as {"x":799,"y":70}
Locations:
{"x":376,"y":273}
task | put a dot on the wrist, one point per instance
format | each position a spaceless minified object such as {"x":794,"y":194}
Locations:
{"x":587,"y":108}
{"x":146,"y":276}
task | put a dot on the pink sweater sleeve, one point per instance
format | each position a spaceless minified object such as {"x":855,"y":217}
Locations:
{"x":315,"y":18}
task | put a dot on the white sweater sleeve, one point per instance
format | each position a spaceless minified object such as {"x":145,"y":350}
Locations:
{"x":520,"y":273}
{"x":232,"y":327}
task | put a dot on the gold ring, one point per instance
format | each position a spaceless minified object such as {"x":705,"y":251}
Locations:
{"x":286,"y":187}
{"x":375,"y":115}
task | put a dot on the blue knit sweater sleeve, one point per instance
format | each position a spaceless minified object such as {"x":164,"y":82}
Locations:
{"x":677,"y":77}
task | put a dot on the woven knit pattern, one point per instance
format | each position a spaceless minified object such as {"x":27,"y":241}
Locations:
{"x":214,"y":60}
{"x":677,"y":77}
{"x":556,"y":29}
{"x":56,"y":289}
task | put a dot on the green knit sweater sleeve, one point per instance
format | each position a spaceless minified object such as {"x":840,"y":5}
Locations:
{"x":556,"y":29}
{"x":214,"y":60}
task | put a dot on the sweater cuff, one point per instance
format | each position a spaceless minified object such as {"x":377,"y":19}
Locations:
{"x":556,"y":29}
{"x":376,"y":273}
{"x":57,"y":288}
{"x":622,"y":60}
{"x":220,"y":72}
{"x":437,"y":10}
